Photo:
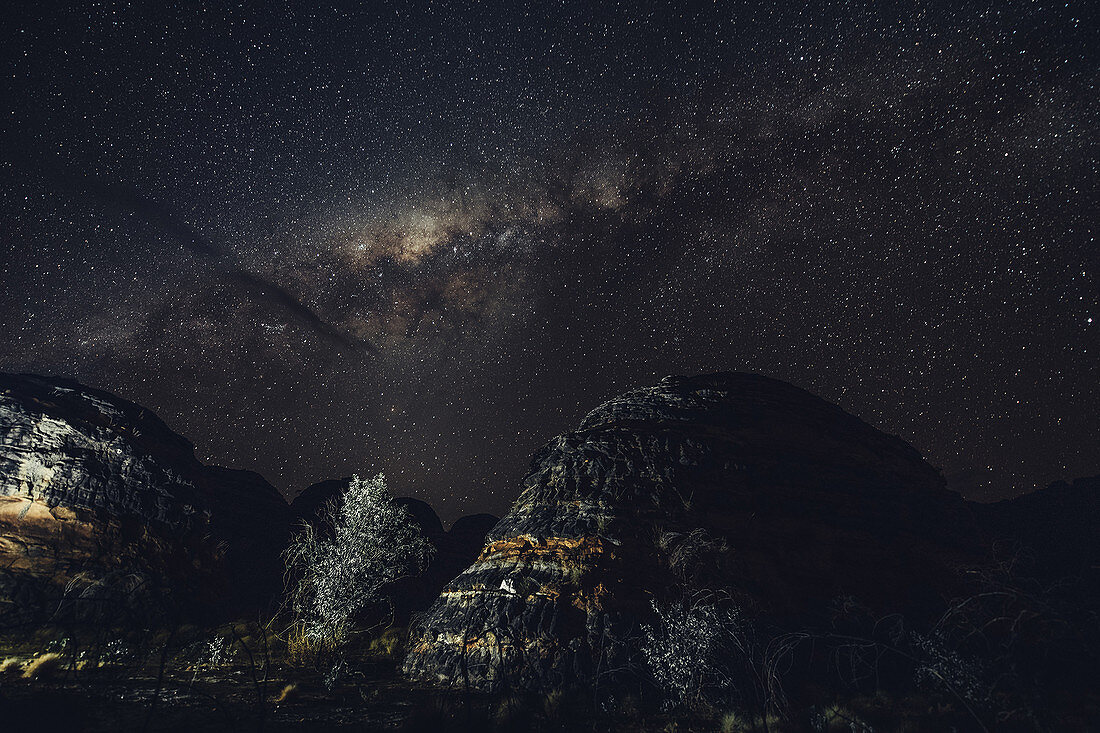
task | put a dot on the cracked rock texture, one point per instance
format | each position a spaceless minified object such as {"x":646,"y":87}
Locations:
{"x":726,"y":481}
{"x":98,"y":489}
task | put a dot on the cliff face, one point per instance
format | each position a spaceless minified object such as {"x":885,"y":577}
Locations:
{"x":726,"y":481}
{"x":98,"y":489}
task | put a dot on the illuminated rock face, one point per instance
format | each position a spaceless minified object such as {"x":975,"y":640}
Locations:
{"x":726,"y":481}
{"x":96,"y":488}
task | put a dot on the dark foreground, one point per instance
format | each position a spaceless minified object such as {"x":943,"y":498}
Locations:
{"x":378,"y":699}
{"x":229,"y":700}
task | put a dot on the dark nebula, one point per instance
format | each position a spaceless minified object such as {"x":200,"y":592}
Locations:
{"x":425,"y":240}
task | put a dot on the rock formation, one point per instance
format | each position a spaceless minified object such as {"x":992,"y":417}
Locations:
{"x":725,"y":481}
{"x":98,"y":492}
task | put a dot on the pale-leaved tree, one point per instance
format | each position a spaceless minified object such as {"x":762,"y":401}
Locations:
{"x":372,"y":541}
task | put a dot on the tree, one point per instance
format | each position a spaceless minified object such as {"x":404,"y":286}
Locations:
{"x":340,"y":574}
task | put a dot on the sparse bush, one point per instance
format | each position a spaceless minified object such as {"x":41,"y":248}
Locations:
{"x":217,"y":651}
{"x":733,"y":722}
{"x":513,"y":713}
{"x":113,"y":598}
{"x":115,"y":652}
{"x":942,"y":666}
{"x":692,"y":555}
{"x":689,"y":647}
{"x":43,"y":667}
{"x":1014,"y":648}
{"x":630,"y":706}
{"x":569,"y":707}
{"x":307,"y":649}
{"x":553,"y":703}
{"x":837,"y":719}
{"x":58,"y":645}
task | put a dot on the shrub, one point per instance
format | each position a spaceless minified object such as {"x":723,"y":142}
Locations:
{"x":838,"y":719}
{"x":307,"y":649}
{"x":513,"y":713}
{"x":11,"y":665}
{"x":216,"y":652}
{"x":732,"y":722}
{"x":390,"y":643}
{"x":689,"y":648}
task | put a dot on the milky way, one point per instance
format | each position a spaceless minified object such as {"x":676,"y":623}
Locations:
{"x":424,"y":241}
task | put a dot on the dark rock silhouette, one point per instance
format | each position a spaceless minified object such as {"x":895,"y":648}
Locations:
{"x":1050,"y":533}
{"x":308,"y":504}
{"x":100,"y":490}
{"x":467,"y":537}
{"x":725,"y":481}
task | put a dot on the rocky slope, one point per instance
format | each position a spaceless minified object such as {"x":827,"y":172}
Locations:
{"x":97,"y":490}
{"x":730,"y":481}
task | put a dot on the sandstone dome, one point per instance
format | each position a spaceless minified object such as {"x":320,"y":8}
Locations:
{"x":98,"y":489}
{"x":728,"y":481}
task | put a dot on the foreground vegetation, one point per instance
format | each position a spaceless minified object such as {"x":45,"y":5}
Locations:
{"x":241,"y":676}
{"x":206,"y":684}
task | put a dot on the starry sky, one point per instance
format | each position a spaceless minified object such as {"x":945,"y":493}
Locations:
{"x":426,"y":238}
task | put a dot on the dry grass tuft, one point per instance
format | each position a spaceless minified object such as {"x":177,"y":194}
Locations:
{"x":390,"y":644}
{"x":290,"y":692}
{"x":11,"y":665}
{"x":43,"y":667}
{"x":303,"y":649}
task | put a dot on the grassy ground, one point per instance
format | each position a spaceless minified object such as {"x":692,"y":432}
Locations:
{"x":227,"y":700}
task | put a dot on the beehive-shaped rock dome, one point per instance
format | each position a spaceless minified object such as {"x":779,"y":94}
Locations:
{"x":732,"y":481}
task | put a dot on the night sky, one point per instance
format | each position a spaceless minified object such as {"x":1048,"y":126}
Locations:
{"x":424,"y":240}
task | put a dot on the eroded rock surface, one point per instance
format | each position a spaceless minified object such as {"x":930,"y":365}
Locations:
{"x":98,"y":489}
{"x":725,"y":481}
